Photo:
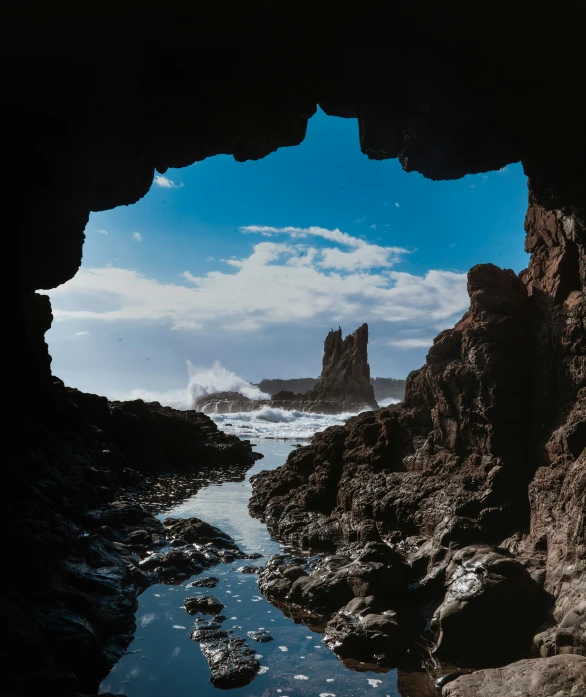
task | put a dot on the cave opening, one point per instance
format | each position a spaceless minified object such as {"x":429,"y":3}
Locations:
{"x":180,"y":275}
{"x":479,"y":473}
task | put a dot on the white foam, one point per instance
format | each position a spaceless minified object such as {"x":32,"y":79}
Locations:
{"x":387,"y":402}
{"x":269,"y":422}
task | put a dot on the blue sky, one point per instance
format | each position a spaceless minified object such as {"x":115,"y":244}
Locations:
{"x":250,"y":264}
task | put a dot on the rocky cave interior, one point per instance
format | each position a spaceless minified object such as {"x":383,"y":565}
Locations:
{"x":99,"y":99}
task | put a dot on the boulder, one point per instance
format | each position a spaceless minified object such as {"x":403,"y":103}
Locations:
{"x":207,"y":604}
{"x":557,"y":676}
{"x":490,"y":611}
{"x":363,"y":631}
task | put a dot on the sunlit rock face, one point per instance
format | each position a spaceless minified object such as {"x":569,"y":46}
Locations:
{"x":488,"y":447}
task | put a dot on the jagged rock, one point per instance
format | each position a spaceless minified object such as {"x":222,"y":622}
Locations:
{"x":199,"y":532}
{"x":232,"y":663}
{"x":558,"y":676}
{"x":331,"y":581}
{"x":345,"y":374}
{"x":344,"y":384}
{"x":454,"y":463}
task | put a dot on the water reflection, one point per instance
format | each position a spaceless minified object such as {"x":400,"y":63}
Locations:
{"x":162,"y":660}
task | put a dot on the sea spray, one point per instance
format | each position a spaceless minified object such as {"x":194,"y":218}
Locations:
{"x":202,"y":381}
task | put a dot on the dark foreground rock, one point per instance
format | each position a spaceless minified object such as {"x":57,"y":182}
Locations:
{"x":479,"y":477}
{"x":363,"y":631}
{"x":86,"y":546}
{"x":557,"y":676}
{"x":260,"y":635}
{"x":490,"y":611}
{"x":232,"y":662}
{"x":206,"y":582}
{"x":207,"y":604}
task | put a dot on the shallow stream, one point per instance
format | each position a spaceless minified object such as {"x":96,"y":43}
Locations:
{"x":163,"y":661}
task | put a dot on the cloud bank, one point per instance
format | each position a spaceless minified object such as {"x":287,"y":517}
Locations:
{"x":301,"y":275}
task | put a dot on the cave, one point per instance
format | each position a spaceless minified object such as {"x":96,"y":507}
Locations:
{"x":99,"y":98}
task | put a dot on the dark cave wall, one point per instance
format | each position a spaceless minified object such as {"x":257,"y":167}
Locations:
{"x":95,"y":100}
{"x":97,"y":97}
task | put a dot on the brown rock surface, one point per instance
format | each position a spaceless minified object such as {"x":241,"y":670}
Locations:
{"x":488,"y":445}
{"x":558,"y":676}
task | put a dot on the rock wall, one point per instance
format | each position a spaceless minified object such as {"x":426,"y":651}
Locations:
{"x":69,"y":591}
{"x":487,"y":447}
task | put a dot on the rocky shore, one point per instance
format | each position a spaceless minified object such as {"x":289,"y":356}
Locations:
{"x":471,"y":494}
{"x":84,"y":535}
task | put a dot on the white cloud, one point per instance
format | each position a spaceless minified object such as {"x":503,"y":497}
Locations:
{"x":137,"y":236}
{"x":362,"y":256}
{"x":186,"y":325}
{"x":165,"y":182}
{"x":503,"y":170}
{"x":397,"y":205}
{"x":81,"y":333}
{"x":209,"y":258}
{"x":373,"y":226}
{"x":103,"y":232}
{"x":411,"y":343}
{"x":278,"y":283}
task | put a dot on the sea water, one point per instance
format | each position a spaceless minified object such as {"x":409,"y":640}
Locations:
{"x":163,"y":660}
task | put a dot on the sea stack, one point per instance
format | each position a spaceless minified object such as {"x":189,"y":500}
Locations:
{"x":345,"y":371}
{"x":343,"y":386}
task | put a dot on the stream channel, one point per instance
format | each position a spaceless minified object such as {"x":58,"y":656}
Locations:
{"x":163,"y":661}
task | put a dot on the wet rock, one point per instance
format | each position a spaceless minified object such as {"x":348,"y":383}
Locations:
{"x":175,"y":565}
{"x":329,"y":582}
{"x":232,"y":662}
{"x":363,"y":631}
{"x":556,"y":676}
{"x":196,"y":531}
{"x":205,"y":582}
{"x":253,"y":555}
{"x":178,"y":542}
{"x":260,"y":635}
{"x":491,"y":608}
{"x":203,"y":603}
{"x":250,"y":569}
